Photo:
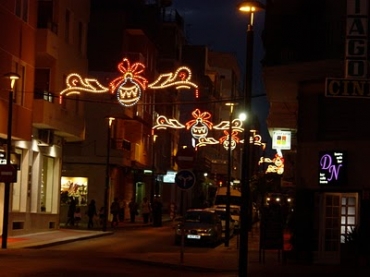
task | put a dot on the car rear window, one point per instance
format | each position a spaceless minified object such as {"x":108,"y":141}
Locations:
{"x":200,"y":217}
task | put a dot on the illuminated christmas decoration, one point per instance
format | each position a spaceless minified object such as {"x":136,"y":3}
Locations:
{"x":128,"y":87}
{"x":180,"y":79}
{"x":163,"y":122}
{"x":276,"y":165}
{"x":225,"y":140}
{"x":200,"y":125}
{"x":76,"y":84}
{"x":203,"y":141}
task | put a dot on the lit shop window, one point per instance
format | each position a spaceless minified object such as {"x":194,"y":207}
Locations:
{"x":46,"y":189}
{"x":74,"y":188}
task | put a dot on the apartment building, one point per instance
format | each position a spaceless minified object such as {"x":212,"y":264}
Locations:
{"x":43,"y":41}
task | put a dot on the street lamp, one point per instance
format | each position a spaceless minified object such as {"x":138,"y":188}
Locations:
{"x":227,"y":221}
{"x":12,"y":77}
{"x":249,"y":7}
{"x":107,"y":175}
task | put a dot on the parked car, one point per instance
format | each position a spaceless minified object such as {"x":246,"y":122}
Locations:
{"x":221,"y":212}
{"x":234,"y":212}
{"x":200,"y":226}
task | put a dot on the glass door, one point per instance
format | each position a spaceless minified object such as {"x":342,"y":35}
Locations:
{"x":338,"y":215}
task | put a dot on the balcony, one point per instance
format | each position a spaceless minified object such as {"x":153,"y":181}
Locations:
{"x":47,"y":45}
{"x":65,"y":123}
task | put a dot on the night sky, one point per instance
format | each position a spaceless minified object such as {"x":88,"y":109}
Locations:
{"x":219,"y":25}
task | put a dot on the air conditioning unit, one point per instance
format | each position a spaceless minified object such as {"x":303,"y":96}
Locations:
{"x":46,"y":137}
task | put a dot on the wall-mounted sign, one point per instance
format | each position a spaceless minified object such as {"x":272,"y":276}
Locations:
{"x":356,"y":39}
{"x":353,"y":88}
{"x":14,"y":159}
{"x":356,"y":57}
{"x":332,"y":168}
{"x":281,"y":140}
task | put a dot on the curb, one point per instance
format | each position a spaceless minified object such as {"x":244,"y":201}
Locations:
{"x":38,"y":245}
{"x":179,"y":266}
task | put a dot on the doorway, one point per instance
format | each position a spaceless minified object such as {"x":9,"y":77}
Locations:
{"x":338,"y":215}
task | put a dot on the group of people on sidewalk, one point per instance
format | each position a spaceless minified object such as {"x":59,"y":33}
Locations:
{"x":151,"y":212}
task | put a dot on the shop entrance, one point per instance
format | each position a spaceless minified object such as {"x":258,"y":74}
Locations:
{"x":338,"y":214}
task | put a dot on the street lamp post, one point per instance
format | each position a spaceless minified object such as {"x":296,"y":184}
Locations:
{"x":249,"y":7}
{"x":107,"y":173}
{"x":227,"y":220}
{"x":12,"y":77}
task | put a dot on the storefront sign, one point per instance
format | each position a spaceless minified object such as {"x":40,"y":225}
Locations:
{"x":281,"y":140}
{"x":332,"y":167}
{"x":356,"y":39}
{"x":354,"y":84}
{"x":339,"y":87}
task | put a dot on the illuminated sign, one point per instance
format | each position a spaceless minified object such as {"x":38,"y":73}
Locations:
{"x":169,"y":178}
{"x":332,"y":167}
{"x":281,"y":140}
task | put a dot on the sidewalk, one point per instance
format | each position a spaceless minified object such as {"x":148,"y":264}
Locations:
{"x":221,"y":259}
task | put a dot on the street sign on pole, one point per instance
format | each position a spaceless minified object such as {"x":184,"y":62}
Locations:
{"x":185,"y":157}
{"x":8,"y":173}
{"x":185,"y":179}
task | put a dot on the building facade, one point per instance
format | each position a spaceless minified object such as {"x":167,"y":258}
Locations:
{"x":44,"y":41}
{"x":308,"y":52}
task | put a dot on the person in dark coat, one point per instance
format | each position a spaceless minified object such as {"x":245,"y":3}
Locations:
{"x":133,"y":210}
{"x":114,"y":210}
{"x":71,"y":212}
{"x":91,"y":212}
{"x":157,"y":212}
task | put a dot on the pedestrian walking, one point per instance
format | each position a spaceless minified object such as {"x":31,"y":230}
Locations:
{"x":157,"y":212}
{"x":91,"y":213}
{"x":71,"y":212}
{"x":145,"y":209}
{"x":114,"y":210}
{"x":133,"y":210}
{"x":102,"y":216}
{"x":122,"y":206}
{"x":77,"y":216}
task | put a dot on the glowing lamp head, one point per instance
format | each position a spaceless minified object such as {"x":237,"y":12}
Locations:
{"x":250,"y":6}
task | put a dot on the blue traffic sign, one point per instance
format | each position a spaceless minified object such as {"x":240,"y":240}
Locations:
{"x":185,"y":179}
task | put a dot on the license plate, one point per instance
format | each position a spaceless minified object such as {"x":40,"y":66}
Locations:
{"x":193,"y":236}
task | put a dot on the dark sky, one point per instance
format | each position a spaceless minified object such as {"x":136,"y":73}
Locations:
{"x":219,"y":25}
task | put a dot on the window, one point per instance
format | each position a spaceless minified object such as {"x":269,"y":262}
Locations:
{"x":63,"y":101}
{"x":67,"y":32}
{"x":348,"y":216}
{"x":45,"y":18}
{"x":18,"y":95}
{"x":81,"y":38}
{"x":18,"y":201}
{"x":46,"y":186}
{"x":21,"y":9}
{"x":41,"y":88}
{"x":74,"y":187}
